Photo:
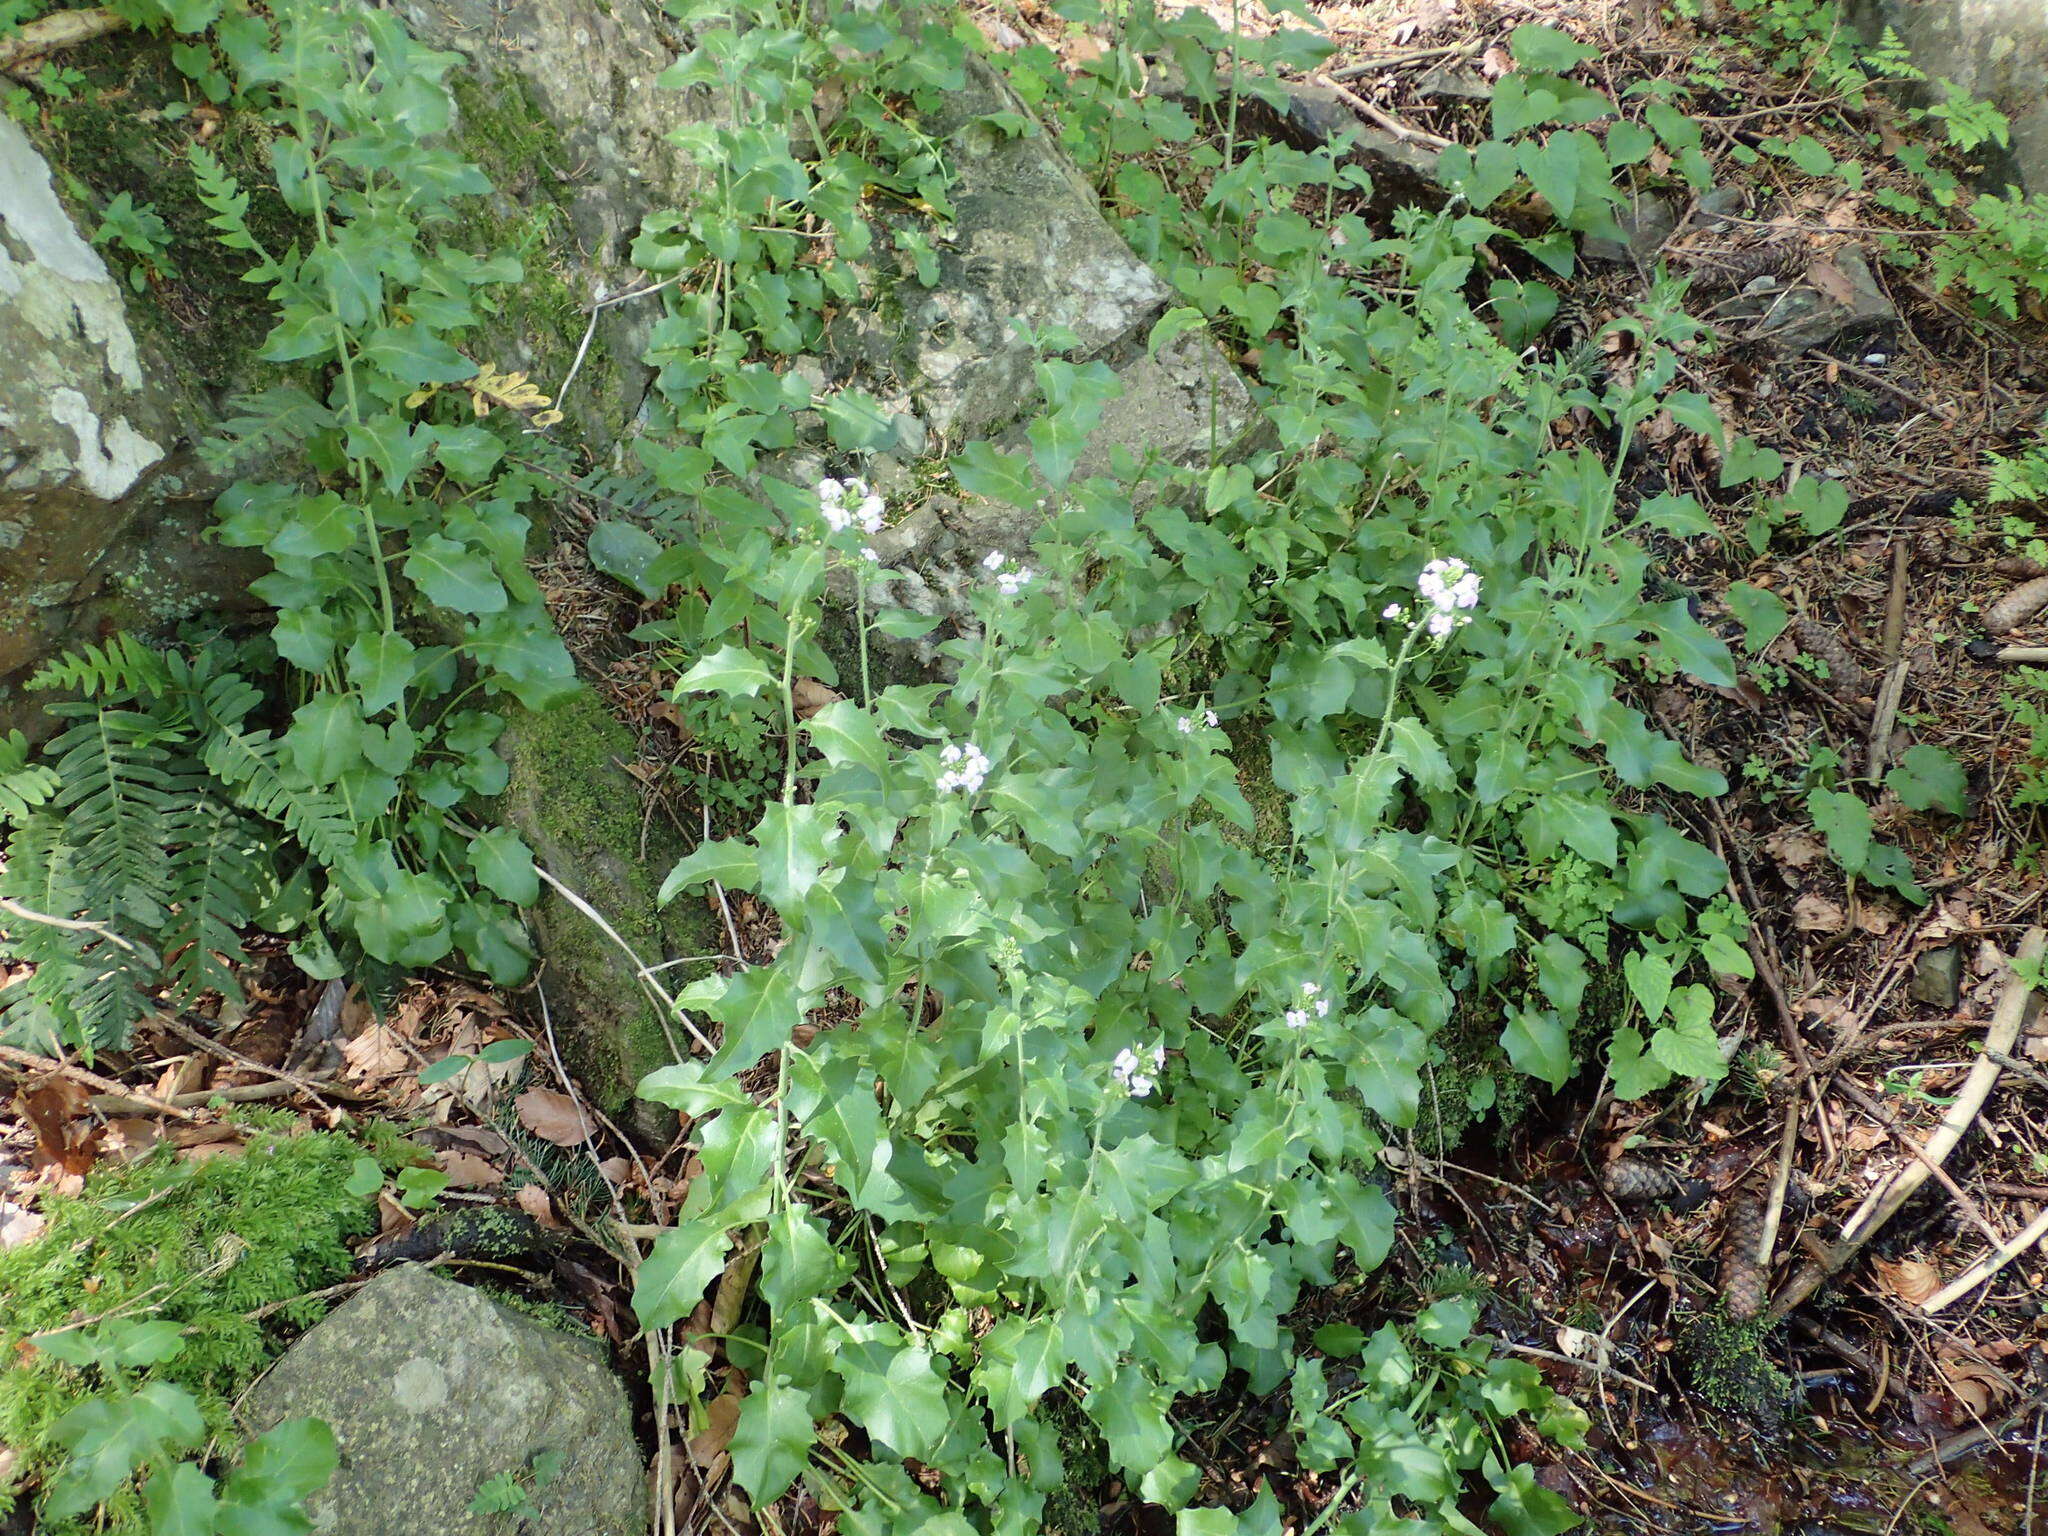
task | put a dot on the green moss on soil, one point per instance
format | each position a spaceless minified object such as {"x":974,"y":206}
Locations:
{"x":582,"y":814}
{"x":199,"y":1244}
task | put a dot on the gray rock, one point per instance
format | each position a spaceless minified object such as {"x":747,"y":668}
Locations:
{"x":80,"y":423}
{"x":1029,"y":243}
{"x":1993,"y":49}
{"x":1938,"y":978}
{"x":1646,"y":223}
{"x":433,"y":1389}
{"x":1791,"y":316}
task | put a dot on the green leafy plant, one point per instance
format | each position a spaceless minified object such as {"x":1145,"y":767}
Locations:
{"x":1125,"y":1048}
{"x":141,"y":232}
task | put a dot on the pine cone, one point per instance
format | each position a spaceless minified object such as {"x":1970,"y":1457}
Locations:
{"x":1744,"y":1285}
{"x":1634,"y":1182}
{"x":1846,"y":680}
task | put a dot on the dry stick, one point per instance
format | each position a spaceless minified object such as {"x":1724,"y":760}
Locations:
{"x":2035,"y":654}
{"x":1877,"y":745}
{"x":1595,"y":1366}
{"x":105,"y":1085}
{"x":2004,"y":1029}
{"x":646,"y":976}
{"x":1946,"y":413}
{"x":1987,"y":1266}
{"x":1390,"y":60}
{"x":129,"y":1102}
{"x":1406,"y":132}
{"x":1968,"y":1440}
{"x":68,"y":924}
{"x":1885,"y":1202}
{"x":237,"y":1060}
{"x":1781,"y":1182}
{"x":64,"y":29}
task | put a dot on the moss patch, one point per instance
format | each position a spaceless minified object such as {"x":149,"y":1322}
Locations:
{"x":197,"y":1244}
{"x":581,"y":812}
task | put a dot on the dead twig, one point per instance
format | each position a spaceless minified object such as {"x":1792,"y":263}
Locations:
{"x":105,"y":1085}
{"x":1886,"y":1201}
{"x":1408,"y":133}
{"x":1990,"y":1264}
{"x":60,"y":29}
{"x":1869,"y":376}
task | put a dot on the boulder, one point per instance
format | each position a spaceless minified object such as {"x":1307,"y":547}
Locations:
{"x":433,"y":1390}
{"x":98,"y":520}
{"x":1993,"y":49}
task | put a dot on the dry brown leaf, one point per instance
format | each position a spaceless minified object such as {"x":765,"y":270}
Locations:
{"x":809,"y":696}
{"x":375,"y":1055}
{"x":552,"y":1116}
{"x":1911,"y":1280}
{"x":534,"y":1201}
{"x":1976,"y":1384}
{"x":1495,"y":62}
{"x":721,"y":1417}
{"x":1817,"y":914}
{"x":131,"y":1138}
{"x":1875,"y":917}
{"x":19,"y":1225}
{"x":466,"y":1170}
{"x":1794,"y":848}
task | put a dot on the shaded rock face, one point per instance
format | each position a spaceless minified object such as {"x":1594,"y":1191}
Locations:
{"x":432,"y":1390}
{"x":81,"y":425}
{"x":1994,"y":49}
{"x":1029,"y":251}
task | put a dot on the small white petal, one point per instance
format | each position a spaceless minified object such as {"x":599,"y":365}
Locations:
{"x":1391,"y":611}
{"x":992,"y":561}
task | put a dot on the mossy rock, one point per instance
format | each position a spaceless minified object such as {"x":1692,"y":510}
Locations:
{"x":203,"y":1245}
{"x":581,"y":812}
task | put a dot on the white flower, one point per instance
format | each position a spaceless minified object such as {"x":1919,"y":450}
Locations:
{"x":1322,"y":1007}
{"x":1128,"y":1070}
{"x":831,"y":490}
{"x":869,"y":514}
{"x":972,"y":768}
{"x":1010,"y":583}
{"x":837,"y":518}
{"x":992,"y":561}
{"x":1448,"y":585}
{"x":1185,"y":725}
{"x":1296,"y":1018}
{"x":1309,"y":989}
{"x":867,"y":553}
{"x":1391,"y":611}
{"x":1209,"y":719}
{"x":1442,"y":623}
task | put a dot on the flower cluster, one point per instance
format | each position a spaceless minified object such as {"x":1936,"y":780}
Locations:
{"x":1187,"y":725}
{"x":1312,"y":1002}
{"x":1450,"y":587}
{"x":965,"y":770}
{"x":1129,"y":1070}
{"x":848,"y":504}
{"x":1008,"y":582}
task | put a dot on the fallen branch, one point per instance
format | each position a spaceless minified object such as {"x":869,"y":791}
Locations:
{"x":1408,"y":133}
{"x":1886,"y":1201}
{"x":1987,"y":1266}
{"x":106,"y":1085}
{"x":60,"y":29}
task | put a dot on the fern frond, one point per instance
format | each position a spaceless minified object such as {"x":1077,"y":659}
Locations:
{"x":244,"y":760}
{"x":23,"y":785}
{"x":267,"y":422}
{"x":220,"y":867}
{"x":123,"y":667}
{"x":117,"y":781}
{"x":89,"y":982}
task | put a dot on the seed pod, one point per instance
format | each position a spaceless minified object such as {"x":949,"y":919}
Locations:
{"x":2019,"y":568}
{"x":1847,"y":680}
{"x":2017,"y":606}
{"x":1744,"y":1285}
{"x":1635,"y":1182}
